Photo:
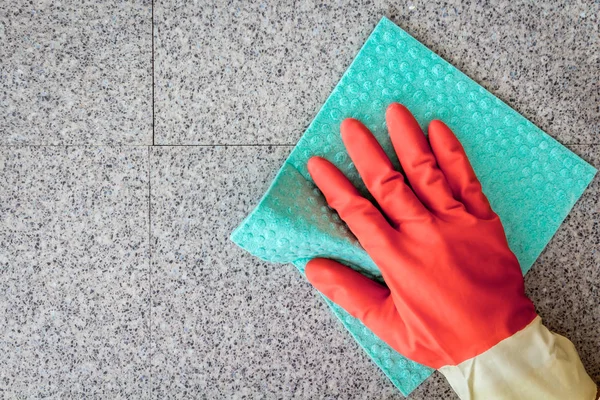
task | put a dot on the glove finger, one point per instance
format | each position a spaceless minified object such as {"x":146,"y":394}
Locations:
{"x":385,"y":184}
{"x":455,"y":165}
{"x":361,"y":297}
{"x":364,"y":220}
{"x":418,"y":162}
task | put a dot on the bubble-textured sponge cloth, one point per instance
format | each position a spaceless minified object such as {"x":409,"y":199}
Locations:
{"x":531,"y":180}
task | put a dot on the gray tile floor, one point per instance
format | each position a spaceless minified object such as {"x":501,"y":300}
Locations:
{"x":117,"y":279}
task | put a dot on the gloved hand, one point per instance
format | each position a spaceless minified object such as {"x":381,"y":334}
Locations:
{"x":454,"y":289}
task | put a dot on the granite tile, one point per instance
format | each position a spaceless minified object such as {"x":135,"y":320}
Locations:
{"x":228,"y":325}
{"x":540,"y":57}
{"x":76,"y":72}
{"x":564,"y":283}
{"x":250,"y":73}
{"x":225,"y":324}
{"x":74,"y":240}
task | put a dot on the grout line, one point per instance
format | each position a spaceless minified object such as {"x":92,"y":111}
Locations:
{"x":227,"y":145}
{"x":153,"y":101}
{"x":167,"y":145}
{"x":150,"y":348}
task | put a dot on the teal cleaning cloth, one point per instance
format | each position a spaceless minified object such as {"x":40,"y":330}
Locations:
{"x":531,"y":180}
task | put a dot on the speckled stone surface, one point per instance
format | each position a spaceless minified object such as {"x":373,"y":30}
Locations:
{"x":224,"y":323}
{"x":227,"y":324}
{"x":74,"y":273}
{"x":257,"y":72}
{"x":75,"y":72}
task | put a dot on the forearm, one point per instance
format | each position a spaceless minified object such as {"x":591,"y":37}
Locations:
{"x":532,"y":364}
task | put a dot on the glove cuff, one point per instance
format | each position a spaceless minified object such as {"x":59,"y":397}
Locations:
{"x":534,"y":363}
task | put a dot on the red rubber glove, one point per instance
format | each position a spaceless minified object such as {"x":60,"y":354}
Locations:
{"x":454,"y":288}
